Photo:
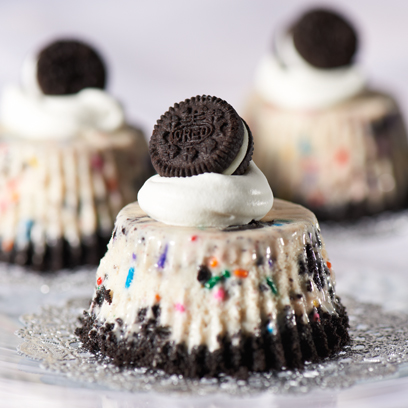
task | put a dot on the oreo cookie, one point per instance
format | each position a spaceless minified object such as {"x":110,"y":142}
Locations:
{"x":325,"y":39}
{"x":203,"y":134}
{"x":66,"y":67}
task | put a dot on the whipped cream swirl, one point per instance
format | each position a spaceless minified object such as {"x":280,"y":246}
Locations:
{"x":287,"y":80}
{"x":208,"y":199}
{"x":27,"y":113}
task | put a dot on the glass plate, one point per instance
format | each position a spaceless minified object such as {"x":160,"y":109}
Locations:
{"x":368,"y":258}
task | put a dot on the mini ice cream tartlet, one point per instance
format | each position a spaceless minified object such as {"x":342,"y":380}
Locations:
{"x":207,"y":274}
{"x":69,"y":161}
{"x":324,"y":138}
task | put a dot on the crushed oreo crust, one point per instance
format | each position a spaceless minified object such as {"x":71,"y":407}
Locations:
{"x":293,"y":343}
{"x":59,"y":255}
{"x":204,"y":274}
{"x":251,"y":225}
{"x":102,"y":295}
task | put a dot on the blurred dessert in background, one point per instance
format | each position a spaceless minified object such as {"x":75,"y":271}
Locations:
{"x":323,"y":138}
{"x":68,"y":160}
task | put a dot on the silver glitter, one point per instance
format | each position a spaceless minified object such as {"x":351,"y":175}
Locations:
{"x":378,"y":350}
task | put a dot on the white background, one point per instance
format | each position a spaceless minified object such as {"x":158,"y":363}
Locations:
{"x":163,"y":51}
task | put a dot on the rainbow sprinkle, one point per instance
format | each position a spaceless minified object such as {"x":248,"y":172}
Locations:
{"x":24,"y":230}
{"x":213,"y":262}
{"x":305,"y":147}
{"x":99,"y":281}
{"x":215,"y":279}
{"x":270,"y":327}
{"x":212,"y":282}
{"x":283,"y":221}
{"x":7,"y":246}
{"x":279,"y":223}
{"x":180,"y":307}
{"x":272,"y":285}
{"x":33,"y":162}
{"x":112,"y":184}
{"x":15,"y":196}
{"x":97,"y":162}
{"x":129,"y":278}
{"x":163,"y":257}
{"x":342,"y":156}
{"x":219,"y":294}
{"x":241,"y":273}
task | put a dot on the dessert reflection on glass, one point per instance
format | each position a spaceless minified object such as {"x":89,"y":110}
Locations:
{"x":207,"y":273}
{"x":69,"y":161}
{"x":324,"y":138}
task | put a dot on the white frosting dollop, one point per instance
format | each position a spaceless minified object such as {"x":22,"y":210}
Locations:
{"x":208,"y":199}
{"x":27,"y":113}
{"x":288,"y":81}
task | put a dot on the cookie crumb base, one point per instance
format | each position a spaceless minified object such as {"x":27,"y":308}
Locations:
{"x":59,"y":254}
{"x":290,"y":347}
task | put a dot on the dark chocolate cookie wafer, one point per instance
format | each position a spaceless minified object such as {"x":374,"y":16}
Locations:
{"x":325,"y":39}
{"x":203,"y":134}
{"x":66,"y":67}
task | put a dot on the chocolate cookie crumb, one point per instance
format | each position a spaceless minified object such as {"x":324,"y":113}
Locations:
{"x":204,"y":274}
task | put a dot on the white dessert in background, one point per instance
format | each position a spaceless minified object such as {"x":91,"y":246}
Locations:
{"x":323,"y":138}
{"x":68,"y":164}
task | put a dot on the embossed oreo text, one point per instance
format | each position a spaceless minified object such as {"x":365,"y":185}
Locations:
{"x":193,"y":129}
{"x":202,"y":134}
{"x":193,"y":132}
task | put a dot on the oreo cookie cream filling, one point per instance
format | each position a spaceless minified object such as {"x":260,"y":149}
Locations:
{"x":225,"y":293}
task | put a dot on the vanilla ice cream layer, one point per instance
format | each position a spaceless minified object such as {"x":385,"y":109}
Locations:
{"x":254,"y":275}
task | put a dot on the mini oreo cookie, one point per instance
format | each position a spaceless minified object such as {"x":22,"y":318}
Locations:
{"x":66,"y":67}
{"x":203,"y":134}
{"x":325,"y":39}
